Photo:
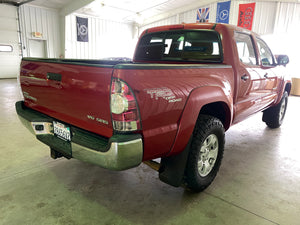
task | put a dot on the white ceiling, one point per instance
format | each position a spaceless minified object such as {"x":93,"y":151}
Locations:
{"x":132,"y":10}
{"x":123,"y":10}
{"x":53,"y":4}
{"x":118,"y":10}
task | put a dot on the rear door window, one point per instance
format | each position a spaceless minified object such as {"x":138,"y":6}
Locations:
{"x":245,"y":49}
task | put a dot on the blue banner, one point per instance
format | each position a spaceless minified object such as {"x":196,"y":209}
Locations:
{"x":223,"y":10}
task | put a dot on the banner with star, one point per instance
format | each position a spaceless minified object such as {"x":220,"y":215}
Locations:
{"x":223,"y":11}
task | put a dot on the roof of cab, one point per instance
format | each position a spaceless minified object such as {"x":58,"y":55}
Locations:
{"x":191,"y":26}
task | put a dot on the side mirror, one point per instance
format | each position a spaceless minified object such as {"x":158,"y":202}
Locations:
{"x":282,"y":59}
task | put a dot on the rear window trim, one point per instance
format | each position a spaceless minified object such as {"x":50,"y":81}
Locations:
{"x":186,"y":61}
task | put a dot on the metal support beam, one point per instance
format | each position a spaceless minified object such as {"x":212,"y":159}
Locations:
{"x":14,"y":3}
{"x":73,"y":6}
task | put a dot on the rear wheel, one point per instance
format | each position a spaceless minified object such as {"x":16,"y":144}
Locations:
{"x":274,"y":116}
{"x":206,"y":153}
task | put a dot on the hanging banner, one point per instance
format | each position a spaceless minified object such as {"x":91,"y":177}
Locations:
{"x":246,"y":14}
{"x":82,"y":29}
{"x":223,"y":9}
{"x":202,"y":15}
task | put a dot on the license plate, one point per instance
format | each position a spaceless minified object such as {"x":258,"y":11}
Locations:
{"x":62,"y":131}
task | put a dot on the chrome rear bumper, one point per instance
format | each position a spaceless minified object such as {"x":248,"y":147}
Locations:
{"x":119,"y":152}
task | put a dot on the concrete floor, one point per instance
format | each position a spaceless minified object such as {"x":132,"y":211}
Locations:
{"x":258,"y":182}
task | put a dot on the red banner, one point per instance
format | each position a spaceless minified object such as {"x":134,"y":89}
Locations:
{"x":246,"y":13}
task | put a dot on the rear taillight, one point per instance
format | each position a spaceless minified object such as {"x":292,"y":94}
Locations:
{"x":123,"y":107}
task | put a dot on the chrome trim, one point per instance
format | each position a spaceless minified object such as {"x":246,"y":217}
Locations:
{"x":120,"y":156}
{"x":48,"y":128}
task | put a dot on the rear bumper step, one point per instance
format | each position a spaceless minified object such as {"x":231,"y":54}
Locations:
{"x":119,"y":152}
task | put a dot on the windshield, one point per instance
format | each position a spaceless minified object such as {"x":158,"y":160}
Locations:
{"x":184,"y":45}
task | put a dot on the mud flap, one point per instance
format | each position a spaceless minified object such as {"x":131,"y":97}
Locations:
{"x":172,"y":168}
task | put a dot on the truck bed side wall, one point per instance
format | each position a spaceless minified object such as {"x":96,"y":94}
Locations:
{"x":164,"y":93}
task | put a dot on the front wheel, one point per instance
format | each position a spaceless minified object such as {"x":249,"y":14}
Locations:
{"x":274,"y":116}
{"x":206,"y":153}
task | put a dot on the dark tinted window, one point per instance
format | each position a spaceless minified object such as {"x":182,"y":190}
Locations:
{"x":180,"y":46}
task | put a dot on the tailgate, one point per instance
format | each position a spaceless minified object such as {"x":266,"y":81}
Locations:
{"x":71,"y":92}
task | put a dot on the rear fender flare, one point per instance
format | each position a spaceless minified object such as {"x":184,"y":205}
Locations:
{"x":198,"y":98}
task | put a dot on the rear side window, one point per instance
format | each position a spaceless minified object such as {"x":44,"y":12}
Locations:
{"x":245,"y":49}
{"x":204,"y":46}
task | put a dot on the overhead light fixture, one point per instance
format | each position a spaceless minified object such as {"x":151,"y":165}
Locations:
{"x":96,"y":6}
{"x":138,"y":18}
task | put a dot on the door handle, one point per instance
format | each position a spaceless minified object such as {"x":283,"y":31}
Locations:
{"x":245,"y":77}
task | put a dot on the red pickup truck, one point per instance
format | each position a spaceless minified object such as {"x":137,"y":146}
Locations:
{"x":186,"y":85}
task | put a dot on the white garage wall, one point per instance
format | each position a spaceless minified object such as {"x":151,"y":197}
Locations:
{"x":263,"y":21}
{"x":264,"y":15}
{"x":288,"y":19}
{"x":45,"y":21}
{"x":285,"y":39}
{"x":9,"y":61}
{"x":106,"y":39}
{"x":167,"y":21}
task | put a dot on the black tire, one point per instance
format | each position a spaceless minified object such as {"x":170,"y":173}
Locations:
{"x":208,"y":128}
{"x":274,"y":116}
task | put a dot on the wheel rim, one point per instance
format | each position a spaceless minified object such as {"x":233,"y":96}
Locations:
{"x":282,"y":109}
{"x":208,"y":155}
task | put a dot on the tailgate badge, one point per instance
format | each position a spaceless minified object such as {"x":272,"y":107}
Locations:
{"x":97,"y":119}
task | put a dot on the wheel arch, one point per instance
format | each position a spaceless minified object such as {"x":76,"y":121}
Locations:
{"x":209,"y":100}
{"x":219,"y":110}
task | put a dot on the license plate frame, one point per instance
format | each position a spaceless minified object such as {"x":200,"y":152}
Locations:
{"x":62,"y":131}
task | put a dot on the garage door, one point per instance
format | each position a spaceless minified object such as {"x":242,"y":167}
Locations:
{"x":9,"y":42}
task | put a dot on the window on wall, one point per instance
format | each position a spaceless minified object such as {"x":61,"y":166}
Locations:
{"x":6,"y":48}
{"x":265,"y":53}
{"x":245,"y":48}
